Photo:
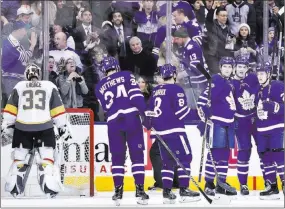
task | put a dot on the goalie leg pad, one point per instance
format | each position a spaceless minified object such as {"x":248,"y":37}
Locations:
{"x":48,"y":173}
{"x":14,"y":180}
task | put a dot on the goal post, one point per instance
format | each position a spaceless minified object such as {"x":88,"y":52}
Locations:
{"x":76,"y":158}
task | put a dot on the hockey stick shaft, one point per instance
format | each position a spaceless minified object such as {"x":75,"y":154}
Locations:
{"x":30,"y":164}
{"x":181,"y":166}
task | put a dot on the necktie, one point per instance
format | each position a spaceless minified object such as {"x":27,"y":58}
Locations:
{"x":87,"y":31}
{"x":119,"y":31}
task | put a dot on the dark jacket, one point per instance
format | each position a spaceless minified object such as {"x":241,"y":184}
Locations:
{"x":216,"y":37}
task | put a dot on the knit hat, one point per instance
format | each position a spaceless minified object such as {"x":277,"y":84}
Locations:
{"x":244,"y":25}
{"x":271,"y":29}
{"x":181,"y":33}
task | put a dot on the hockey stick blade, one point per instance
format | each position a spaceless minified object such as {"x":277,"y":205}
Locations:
{"x":204,"y":72}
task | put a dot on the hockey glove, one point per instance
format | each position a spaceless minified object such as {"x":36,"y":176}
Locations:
{"x":271,"y":107}
{"x":78,"y":79}
{"x":64,"y":133}
{"x":7,"y":132}
{"x":146,"y":121}
{"x":207,"y":111}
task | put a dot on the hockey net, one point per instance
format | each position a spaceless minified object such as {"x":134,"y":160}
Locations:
{"x":76,"y":157}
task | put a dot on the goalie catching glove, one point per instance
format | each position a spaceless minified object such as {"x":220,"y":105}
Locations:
{"x":7,"y":132}
{"x":64,"y":133}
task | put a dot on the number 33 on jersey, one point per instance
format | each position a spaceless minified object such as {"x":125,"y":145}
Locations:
{"x":33,"y":104}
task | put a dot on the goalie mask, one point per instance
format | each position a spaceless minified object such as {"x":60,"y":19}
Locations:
{"x":227,"y":65}
{"x":241,"y":67}
{"x":33,"y":71}
{"x":263,"y":73}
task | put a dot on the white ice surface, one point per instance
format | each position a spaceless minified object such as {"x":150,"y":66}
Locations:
{"x":104,"y":199}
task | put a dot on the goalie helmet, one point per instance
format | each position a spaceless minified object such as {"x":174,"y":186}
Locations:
{"x":227,"y":60}
{"x":167,"y":71}
{"x":33,"y":71}
{"x":110,"y":63}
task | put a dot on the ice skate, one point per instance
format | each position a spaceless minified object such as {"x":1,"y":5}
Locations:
{"x":210,"y":189}
{"x":168,"y":196}
{"x":222,"y":191}
{"x":142,"y":197}
{"x":118,"y":196}
{"x":244,"y":190}
{"x":271,"y":192}
{"x":186,"y":195}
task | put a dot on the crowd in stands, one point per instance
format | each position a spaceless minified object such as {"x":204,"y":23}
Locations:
{"x":82,"y":33}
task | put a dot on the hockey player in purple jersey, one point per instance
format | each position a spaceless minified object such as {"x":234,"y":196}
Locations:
{"x":168,"y":109}
{"x":245,"y":88}
{"x":220,"y":110}
{"x":270,"y":129}
{"x":123,"y":102}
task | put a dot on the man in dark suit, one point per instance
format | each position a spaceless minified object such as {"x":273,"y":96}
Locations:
{"x":85,"y":34}
{"x":116,"y":39}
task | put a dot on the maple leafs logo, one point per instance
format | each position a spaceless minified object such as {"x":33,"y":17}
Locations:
{"x":261,"y":114}
{"x":231,"y":101}
{"x":247,"y":100}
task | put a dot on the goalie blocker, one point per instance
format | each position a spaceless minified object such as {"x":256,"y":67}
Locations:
{"x":32,"y":109}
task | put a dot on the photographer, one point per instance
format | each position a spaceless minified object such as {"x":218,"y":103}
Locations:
{"x":71,"y":85}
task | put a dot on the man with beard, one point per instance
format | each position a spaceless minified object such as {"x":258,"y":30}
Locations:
{"x":117,"y":37}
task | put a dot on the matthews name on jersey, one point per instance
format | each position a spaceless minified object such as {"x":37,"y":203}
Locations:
{"x":269,"y":122}
{"x":222,"y":101}
{"x":168,"y":109}
{"x":119,"y":95}
{"x":245,"y":91}
{"x":34,"y":106}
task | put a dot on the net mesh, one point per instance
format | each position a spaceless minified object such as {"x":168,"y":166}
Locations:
{"x":74,"y":154}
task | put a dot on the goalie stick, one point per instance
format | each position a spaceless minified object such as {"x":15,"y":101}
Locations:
{"x":220,"y":201}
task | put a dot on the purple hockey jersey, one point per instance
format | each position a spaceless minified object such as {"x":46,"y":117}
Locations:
{"x":191,"y":57}
{"x":222,"y":101}
{"x":193,"y":28}
{"x":168,"y":107}
{"x":244,"y":93}
{"x":269,"y":122}
{"x":147,"y":26}
{"x":119,"y":95}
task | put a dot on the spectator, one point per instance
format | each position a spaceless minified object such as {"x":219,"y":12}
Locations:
{"x":145,"y":87}
{"x":23,"y":14}
{"x":14,"y":55}
{"x":52,"y":70}
{"x":273,"y":17}
{"x":241,"y":12}
{"x":62,"y":51}
{"x":92,"y":75}
{"x":141,"y":61}
{"x":85,"y":34}
{"x":200,"y":13}
{"x":245,"y":45}
{"x":220,"y":41}
{"x":58,"y":27}
{"x":209,"y":4}
{"x":71,"y":85}
{"x":9,"y":10}
{"x":147,"y":20}
{"x":116,"y":39}
{"x":192,"y":26}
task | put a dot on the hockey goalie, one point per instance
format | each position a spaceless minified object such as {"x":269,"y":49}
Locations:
{"x":33,"y":108}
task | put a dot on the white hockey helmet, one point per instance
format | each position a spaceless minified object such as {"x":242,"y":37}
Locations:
{"x":33,"y":71}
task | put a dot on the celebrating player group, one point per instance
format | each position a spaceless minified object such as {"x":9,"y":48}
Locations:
{"x":236,"y":103}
